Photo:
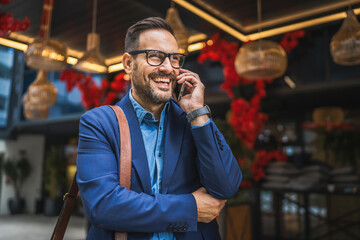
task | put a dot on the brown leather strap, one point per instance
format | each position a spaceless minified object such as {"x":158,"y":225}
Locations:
{"x":125,"y":149}
{"x":125,"y":156}
{"x":125,"y":179}
{"x":67,"y":209}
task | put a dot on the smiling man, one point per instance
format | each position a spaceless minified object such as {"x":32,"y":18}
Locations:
{"x":182,"y":169}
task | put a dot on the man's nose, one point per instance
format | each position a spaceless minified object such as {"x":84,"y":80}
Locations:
{"x":166,"y":66}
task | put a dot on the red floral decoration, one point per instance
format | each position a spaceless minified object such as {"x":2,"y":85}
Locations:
{"x":8,"y":24}
{"x":93,"y":95}
{"x":290,"y":40}
{"x":254,"y":169}
{"x":246,"y":120}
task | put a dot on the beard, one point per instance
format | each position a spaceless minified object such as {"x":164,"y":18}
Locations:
{"x":147,"y":92}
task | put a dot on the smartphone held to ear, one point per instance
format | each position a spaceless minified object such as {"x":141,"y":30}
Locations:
{"x":179,"y":90}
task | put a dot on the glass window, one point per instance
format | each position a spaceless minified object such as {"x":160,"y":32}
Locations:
{"x":6,"y":65}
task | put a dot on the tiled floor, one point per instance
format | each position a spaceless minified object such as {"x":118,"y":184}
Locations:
{"x":38,"y":227}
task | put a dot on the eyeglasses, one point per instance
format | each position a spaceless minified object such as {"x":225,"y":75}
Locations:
{"x":156,"y":57}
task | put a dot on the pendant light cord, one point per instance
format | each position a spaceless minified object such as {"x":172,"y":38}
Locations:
{"x":94,"y":17}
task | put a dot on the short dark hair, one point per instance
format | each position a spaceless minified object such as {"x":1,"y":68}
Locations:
{"x":133,"y":33}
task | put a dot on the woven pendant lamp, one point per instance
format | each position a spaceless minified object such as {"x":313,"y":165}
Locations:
{"x":92,"y":61}
{"x":40,"y":95}
{"x":180,"y":32}
{"x":41,"y":91}
{"x":34,"y":111}
{"x":345,"y":44}
{"x":45,"y":53}
{"x":261,"y":59}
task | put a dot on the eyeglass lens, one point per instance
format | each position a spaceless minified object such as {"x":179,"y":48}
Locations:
{"x":156,"y":58}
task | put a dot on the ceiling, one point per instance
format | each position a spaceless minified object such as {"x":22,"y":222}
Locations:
{"x":71,"y":21}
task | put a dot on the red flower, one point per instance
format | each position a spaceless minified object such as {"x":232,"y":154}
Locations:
{"x":93,"y":95}
{"x":8,"y":24}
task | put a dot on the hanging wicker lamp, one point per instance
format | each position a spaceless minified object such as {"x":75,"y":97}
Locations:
{"x":180,"y":32}
{"x":41,"y":91}
{"x":92,"y":61}
{"x":40,"y":95}
{"x":45,"y":53}
{"x":34,"y":111}
{"x":262,"y":59}
{"x":345,"y":44}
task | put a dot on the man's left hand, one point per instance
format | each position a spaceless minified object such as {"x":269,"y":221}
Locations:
{"x":196,"y":89}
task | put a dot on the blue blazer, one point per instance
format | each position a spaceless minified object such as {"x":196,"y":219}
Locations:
{"x":192,"y":158}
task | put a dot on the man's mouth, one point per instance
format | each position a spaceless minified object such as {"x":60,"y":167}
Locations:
{"x":163,"y":81}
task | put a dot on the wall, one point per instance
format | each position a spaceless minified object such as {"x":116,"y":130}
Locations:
{"x":34,"y":146}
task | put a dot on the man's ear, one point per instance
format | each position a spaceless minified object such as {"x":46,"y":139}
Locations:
{"x":128,"y":63}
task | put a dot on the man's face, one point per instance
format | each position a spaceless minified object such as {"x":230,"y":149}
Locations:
{"x":154,"y":84}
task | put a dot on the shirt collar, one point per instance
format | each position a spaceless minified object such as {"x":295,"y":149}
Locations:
{"x":143,"y":114}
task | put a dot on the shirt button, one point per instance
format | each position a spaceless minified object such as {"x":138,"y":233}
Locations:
{"x":159,"y":154}
{"x":160,"y":128}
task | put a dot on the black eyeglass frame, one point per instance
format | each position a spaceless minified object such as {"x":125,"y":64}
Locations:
{"x":135,"y":52}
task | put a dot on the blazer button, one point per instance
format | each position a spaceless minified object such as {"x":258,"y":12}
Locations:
{"x":186,"y":227}
{"x":169,"y":228}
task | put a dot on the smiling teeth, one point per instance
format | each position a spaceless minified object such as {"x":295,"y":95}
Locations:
{"x":163,"y":80}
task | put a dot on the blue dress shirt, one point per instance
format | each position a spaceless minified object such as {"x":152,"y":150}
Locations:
{"x":153,"y":135}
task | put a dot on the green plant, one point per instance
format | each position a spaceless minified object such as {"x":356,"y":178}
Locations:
{"x":17,"y":172}
{"x":55,"y":171}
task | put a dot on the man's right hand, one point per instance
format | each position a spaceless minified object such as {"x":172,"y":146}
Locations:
{"x":208,"y":207}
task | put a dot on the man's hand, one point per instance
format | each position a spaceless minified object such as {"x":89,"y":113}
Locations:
{"x":195,"y":98}
{"x":196,"y":89}
{"x":208,"y":207}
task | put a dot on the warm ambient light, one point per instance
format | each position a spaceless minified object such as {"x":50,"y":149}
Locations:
{"x":290,"y":82}
{"x":196,"y":46}
{"x":116,"y":67}
{"x":212,"y":20}
{"x":72,"y":60}
{"x":300,"y":25}
{"x":263,"y":34}
{"x":13,"y":44}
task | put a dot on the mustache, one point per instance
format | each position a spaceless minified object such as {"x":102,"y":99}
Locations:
{"x":171,"y":76}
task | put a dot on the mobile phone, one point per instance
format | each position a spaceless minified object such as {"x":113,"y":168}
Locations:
{"x":179,"y":90}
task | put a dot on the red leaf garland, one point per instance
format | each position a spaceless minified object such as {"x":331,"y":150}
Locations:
{"x":8,"y":24}
{"x":93,"y":95}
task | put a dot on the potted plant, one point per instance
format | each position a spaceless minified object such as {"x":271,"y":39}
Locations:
{"x":54,"y":180}
{"x":17,"y":172}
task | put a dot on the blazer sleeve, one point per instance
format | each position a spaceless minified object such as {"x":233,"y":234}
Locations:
{"x":219,"y":171}
{"x":111,"y":206}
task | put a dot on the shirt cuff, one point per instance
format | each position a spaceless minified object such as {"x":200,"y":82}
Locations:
{"x":197,"y":126}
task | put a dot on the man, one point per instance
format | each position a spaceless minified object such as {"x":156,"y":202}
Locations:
{"x":182,"y":169}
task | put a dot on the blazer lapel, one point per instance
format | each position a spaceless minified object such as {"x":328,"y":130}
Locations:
{"x":172,"y":144}
{"x":138,"y":153}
